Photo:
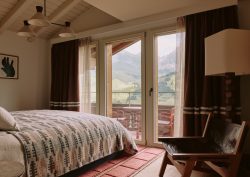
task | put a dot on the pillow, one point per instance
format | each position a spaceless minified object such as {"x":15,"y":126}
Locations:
{"x":7,"y":121}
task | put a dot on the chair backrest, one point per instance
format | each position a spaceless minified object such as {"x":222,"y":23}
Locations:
{"x":226,"y":136}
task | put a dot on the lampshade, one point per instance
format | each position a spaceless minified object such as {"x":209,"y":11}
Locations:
{"x":39,"y":19}
{"x":228,"y":51}
{"x":66,"y":31}
{"x":26,"y":31}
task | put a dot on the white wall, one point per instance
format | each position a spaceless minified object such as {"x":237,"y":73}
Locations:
{"x":31,"y":90}
{"x":91,"y":19}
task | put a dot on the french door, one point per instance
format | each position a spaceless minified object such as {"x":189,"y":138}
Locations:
{"x":125,"y":83}
{"x":137,"y":84}
{"x":160,"y":73}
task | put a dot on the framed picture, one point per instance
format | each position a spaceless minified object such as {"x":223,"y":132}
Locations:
{"x":8,"y":66}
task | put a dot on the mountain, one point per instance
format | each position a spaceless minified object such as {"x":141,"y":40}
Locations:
{"x":126,"y":72}
{"x":166,"y":83}
{"x":126,"y":67}
{"x":167,"y":64}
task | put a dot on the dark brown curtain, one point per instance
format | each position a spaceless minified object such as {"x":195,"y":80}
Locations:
{"x":204,"y":94}
{"x":65,"y":77}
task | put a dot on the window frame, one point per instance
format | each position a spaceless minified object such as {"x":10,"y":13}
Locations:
{"x":150,"y":67}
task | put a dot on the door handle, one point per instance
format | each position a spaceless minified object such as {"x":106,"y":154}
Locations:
{"x":151,"y":91}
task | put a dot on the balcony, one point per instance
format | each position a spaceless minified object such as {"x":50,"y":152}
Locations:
{"x":126,"y":108}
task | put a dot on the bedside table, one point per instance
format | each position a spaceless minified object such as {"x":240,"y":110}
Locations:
{"x":11,"y":169}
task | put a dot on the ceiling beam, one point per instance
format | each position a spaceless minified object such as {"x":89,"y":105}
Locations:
{"x":12,"y":15}
{"x":63,"y":9}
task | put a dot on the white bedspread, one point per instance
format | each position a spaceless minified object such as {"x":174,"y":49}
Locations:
{"x":55,"y":142}
{"x":10,"y":148}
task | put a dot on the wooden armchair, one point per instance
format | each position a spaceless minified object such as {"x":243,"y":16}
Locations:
{"x":220,"y":148}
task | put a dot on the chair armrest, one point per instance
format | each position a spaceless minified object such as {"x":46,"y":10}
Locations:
{"x":163,"y":139}
{"x":201,"y":156}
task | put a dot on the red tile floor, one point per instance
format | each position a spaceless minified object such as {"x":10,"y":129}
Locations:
{"x":125,"y":166}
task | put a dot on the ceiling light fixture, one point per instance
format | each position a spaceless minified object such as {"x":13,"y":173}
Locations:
{"x":26,"y":31}
{"x":41,"y":20}
{"x":66,"y":31}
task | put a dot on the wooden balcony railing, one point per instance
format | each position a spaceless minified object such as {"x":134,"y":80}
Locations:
{"x":127,"y":110}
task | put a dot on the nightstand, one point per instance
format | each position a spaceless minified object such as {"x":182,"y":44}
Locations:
{"x":11,"y":169}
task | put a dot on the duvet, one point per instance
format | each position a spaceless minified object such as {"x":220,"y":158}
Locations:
{"x":56,"y":142}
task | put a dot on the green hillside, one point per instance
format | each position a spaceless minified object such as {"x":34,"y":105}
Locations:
{"x":126,"y":75}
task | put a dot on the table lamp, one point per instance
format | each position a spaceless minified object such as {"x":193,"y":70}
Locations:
{"x":227,"y":53}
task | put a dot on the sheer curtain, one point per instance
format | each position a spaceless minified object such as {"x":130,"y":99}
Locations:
{"x":179,"y":80}
{"x":84,"y":72}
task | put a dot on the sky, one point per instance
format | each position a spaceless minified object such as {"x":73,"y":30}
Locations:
{"x":166,"y":44}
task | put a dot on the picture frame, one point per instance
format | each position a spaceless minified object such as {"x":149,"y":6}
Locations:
{"x":9,"y":66}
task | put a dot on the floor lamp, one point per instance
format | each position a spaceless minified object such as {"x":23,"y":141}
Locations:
{"x":227,"y":53}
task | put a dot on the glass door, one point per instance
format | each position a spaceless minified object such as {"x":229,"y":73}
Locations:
{"x":164,"y":84}
{"x":125,"y":100}
{"x":140,"y":92}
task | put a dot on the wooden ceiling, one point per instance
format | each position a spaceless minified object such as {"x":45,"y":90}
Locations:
{"x":90,"y":14}
{"x":13,"y":12}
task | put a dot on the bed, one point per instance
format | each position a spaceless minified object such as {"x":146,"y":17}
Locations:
{"x":52,"y":143}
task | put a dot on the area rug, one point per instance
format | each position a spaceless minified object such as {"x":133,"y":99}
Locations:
{"x":125,"y":166}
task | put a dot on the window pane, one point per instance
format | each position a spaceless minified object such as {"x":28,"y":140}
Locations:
{"x":165,"y":84}
{"x":124,"y":62}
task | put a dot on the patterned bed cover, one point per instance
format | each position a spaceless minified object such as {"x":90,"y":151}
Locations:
{"x":56,"y":142}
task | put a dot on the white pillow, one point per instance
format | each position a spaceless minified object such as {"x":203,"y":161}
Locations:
{"x":7,"y":121}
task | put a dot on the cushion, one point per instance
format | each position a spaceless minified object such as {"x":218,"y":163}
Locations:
{"x":7,"y":121}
